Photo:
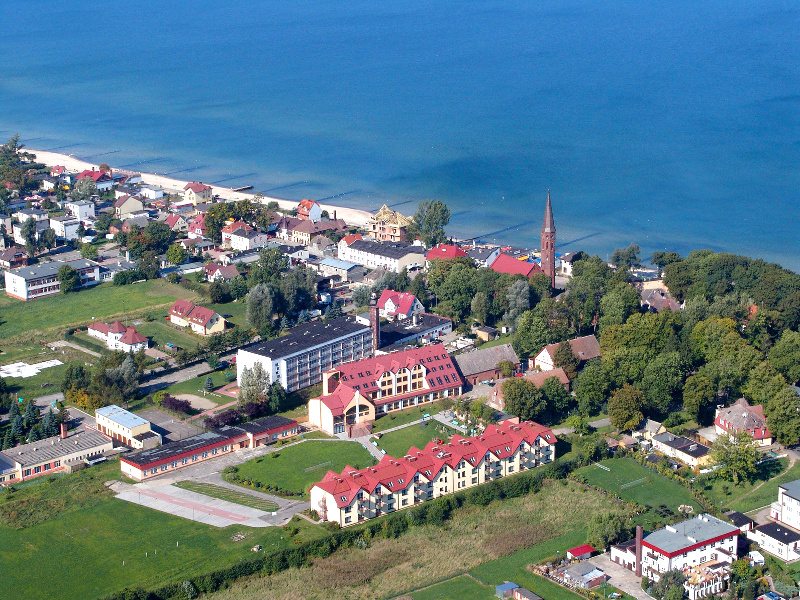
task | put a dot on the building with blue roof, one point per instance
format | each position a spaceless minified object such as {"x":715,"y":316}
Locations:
{"x":126,"y":428}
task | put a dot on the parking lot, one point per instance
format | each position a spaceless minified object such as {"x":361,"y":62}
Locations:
{"x":171,"y":428}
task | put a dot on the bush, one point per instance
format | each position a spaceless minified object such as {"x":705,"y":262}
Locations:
{"x":176,"y":404}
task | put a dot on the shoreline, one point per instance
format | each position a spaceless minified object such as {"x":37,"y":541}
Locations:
{"x":351,"y":216}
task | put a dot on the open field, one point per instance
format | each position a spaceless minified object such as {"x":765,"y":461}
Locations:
{"x":397,"y":443}
{"x":99,"y":544}
{"x":161,"y":333}
{"x":296,"y":468}
{"x":457,"y":588}
{"x":234,"y":312}
{"x":401,"y":417}
{"x":745,"y":497}
{"x":519,"y":530}
{"x":196,"y":385}
{"x":105,"y":301}
{"x":631,"y":481}
{"x":223,"y":493}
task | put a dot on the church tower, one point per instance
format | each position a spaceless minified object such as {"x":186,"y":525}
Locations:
{"x":548,"y":243}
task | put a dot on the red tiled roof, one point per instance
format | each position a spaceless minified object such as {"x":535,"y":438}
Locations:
{"x":351,"y":237}
{"x":403,"y":301}
{"x":584,"y":348}
{"x":231,"y":227}
{"x":740,"y":416}
{"x":581,"y":550}
{"x":131,"y":337}
{"x":445,"y":252}
{"x":181,"y":308}
{"x":201,"y":315}
{"x":196,"y":187}
{"x":395,"y":474}
{"x":198,"y":224}
{"x":57,"y":170}
{"x":93,"y":175}
{"x":226,"y":271}
{"x":339,"y":399}
{"x":304,"y":207}
{"x":173,"y":220}
{"x":539,"y":377}
{"x":511,"y":266}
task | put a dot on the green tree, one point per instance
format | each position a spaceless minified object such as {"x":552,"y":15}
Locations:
{"x":69,"y":279}
{"x":591,"y":388}
{"x":783,"y":416}
{"x":523,"y":399}
{"x":176,"y":254}
{"x":737,"y":457}
{"x":277,"y":397}
{"x":662,"y":259}
{"x":669,"y":586}
{"x":479,"y":307}
{"x":47,"y":239}
{"x":89,"y":251}
{"x":567,"y":360}
{"x":662,"y":382}
{"x":238,"y":287}
{"x":547,"y":323}
{"x":625,"y":407}
{"x":361,"y":295}
{"x":255,"y":385}
{"x":271,"y":263}
{"x":261,"y":308}
{"x":506,"y":368}
{"x":209,"y":384}
{"x":518,"y":299}
{"x":429,"y":221}
{"x":617,"y":304}
{"x":29,"y":234}
{"x":626,"y":257}
{"x":219,"y":292}
{"x":84,"y":189}
{"x":559,"y":402}
{"x":606,"y":529}
{"x":699,"y":395}
{"x":785,"y":355}
{"x":148,"y":265}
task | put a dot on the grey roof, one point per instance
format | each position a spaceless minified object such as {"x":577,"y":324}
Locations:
{"x":779,"y":532}
{"x":792,"y":489}
{"x":581,"y":570}
{"x":739,"y":519}
{"x":338,"y":264}
{"x":387,"y":249}
{"x":481,"y":254}
{"x":396,"y":332}
{"x":687,"y":533}
{"x":50,"y":269}
{"x":485,"y":359}
{"x":53,"y":448}
{"x":121,"y":416}
{"x":305,"y":336}
{"x":682,"y":444}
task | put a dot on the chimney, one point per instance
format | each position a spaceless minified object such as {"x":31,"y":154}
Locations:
{"x":375,"y":322}
{"x":63,"y":431}
{"x":639,"y":535}
{"x":334,"y":215}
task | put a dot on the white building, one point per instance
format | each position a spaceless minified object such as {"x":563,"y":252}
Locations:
{"x":297,"y":360}
{"x":778,"y":540}
{"x":117,"y":336}
{"x":126,"y":427}
{"x":65,"y":228}
{"x":787,"y":508}
{"x":80,"y":209}
{"x":392,"y":256}
{"x":247,"y":239}
{"x":151,"y":192}
{"x":37,"y":281}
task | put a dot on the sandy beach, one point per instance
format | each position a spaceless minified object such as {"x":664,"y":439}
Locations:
{"x":351,"y":216}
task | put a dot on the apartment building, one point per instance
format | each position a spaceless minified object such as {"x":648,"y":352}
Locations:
{"x":298,"y":359}
{"x":388,"y":225}
{"x":356,"y":495}
{"x":787,"y":508}
{"x":392,"y":256}
{"x":37,"y":281}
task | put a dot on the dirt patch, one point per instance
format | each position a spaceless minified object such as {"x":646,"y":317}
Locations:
{"x":197,"y":402}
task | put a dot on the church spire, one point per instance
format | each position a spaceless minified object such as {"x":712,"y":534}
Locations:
{"x":548,"y":243}
{"x":549,"y":224}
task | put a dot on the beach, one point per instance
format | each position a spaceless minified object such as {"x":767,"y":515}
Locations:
{"x":351,"y":216}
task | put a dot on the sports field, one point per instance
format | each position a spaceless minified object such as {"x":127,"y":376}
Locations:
{"x":295,"y":468}
{"x":632,"y":481}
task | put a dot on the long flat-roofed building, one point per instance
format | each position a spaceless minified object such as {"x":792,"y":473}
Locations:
{"x":392,"y":256}
{"x":203,"y":446}
{"x":37,"y":281}
{"x":356,"y":495}
{"x":55,"y":454}
{"x":298,"y":359}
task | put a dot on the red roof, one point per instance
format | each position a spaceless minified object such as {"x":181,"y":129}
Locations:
{"x":196,"y":187}
{"x":339,"y":399}
{"x":198,"y":224}
{"x":351,"y":237}
{"x":511,"y":266}
{"x":201,"y":315}
{"x":106,"y":328}
{"x":581,"y":550}
{"x":57,"y":170}
{"x":225,"y":271}
{"x":403,"y":301}
{"x":181,"y":308}
{"x":445,"y":252}
{"x":173,"y":220}
{"x":304,"y":208}
{"x":131,"y":337}
{"x":231,"y":227}
{"x":93,"y":175}
{"x":395,"y":474}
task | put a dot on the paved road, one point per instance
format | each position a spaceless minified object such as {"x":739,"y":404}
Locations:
{"x":620,"y":577}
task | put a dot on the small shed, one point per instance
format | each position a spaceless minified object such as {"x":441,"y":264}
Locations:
{"x":505,"y":589}
{"x":580,"y":552}
{"x":740,"y":520}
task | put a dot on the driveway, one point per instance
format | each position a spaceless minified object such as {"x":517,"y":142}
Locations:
{"x":620,"y":577}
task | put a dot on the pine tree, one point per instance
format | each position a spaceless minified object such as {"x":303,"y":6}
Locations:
{"x":49,"y":425}
{"x":17,"y":431}
{"x":209,"y":385}
{"x":30,"y":416}
{"x":8,"y":440}
{"x":13,"y":411}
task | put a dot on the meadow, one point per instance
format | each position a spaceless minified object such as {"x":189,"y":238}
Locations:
{"x":397,"y":443}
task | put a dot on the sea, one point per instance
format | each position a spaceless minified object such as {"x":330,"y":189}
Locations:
{"x":674,"y":125}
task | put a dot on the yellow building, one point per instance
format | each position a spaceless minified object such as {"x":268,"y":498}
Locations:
{"x":126,"y":428}
{"x":388,"y":225}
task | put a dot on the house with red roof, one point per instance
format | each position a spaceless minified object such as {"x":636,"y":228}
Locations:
{"x":350,"y":238}
{"x":218,"y":272}
{"x":355,"y":394}
{"x":356,"y":495}
{"x":399,"y":305}
{"x":741,"y":416}
{"x":101,"y":179}
{"x":117,"y":336}
{"x":444,"y":252}
{"x":177,"y":222}
{"x":508,"y":265}
{"x":584,"y":348}
{"x":201,"y":320}
{"x":197,"y":227}
{"x":309,"y":210}
{"x":195,"y":192}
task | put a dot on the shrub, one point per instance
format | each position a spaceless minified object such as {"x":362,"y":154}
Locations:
{"x":176,"y":404}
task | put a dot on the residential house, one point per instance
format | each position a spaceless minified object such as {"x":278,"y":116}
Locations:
{"x":687,"y":451}
{"x":36,"y":281}
{"x":399,"y":305}
{"x":39,"y":228}
{"x":13,"y":257}
{"x":177,"y":223}
{"x":584,"y":348}
{"x":197,"y":227}
{"x":298,"y":359}
{"x":581,"y":552}
{"x":739,"y":417}
{"x":151,"y":192}
{"x":30,"y":213}
{"x":229,"y":228}
{"x":322,"y":245}
{"x":777,"y":539}
{"x":126,"y":427}
{"x":356,"y":393}
{"x":218,"y":272}
{"x":117,"y":336}
{"x":333,"y":267}
{"x":508,"y":265}
{"x":741,"y":520}
{"x":126,"y":205}
{"x":301,"y":232}
{"x":309,"y":210}
{"x":482,"y":364}
{"x":244,"y":239}
{"x":567,"y":261}
{"x":392,"y":256}
{"x":658,"y":300}
{"x":201,"y":320}
{"x":483,"y":256}
{"x":485,"y":333}
{"x":786,"y":509}
{"x":444,"y":252}
{"x":132,"y":223}
{"x":81,"y":210}
{"x":101,"y":179}
{"x":583,"y":575}
{"x":65,"y":228}
{"x":356,"y":495}
{"x":388,"y":225}
{"x":649,"y":429}
{"x":195,"y":192}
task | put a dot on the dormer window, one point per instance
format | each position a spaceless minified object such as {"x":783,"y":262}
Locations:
{"x":344,"y":498}
{"x":391,"y":484}
{"x":401,"y":481}
{"x":508,"y":448}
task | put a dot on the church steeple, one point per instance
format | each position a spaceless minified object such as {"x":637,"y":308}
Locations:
{"x":548,"y":242}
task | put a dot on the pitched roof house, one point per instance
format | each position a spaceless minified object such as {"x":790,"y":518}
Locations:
{"x":445,"y":252}
{"x":176,"y":222}
{"x":195,"y":192}
{"x":117,"y":336}
{"x":197,"y":227}
{"x":583,"y":348}
{"x":740,"y":416}
{"x":201,"y":320}
{"x":126,"y":205}
{"x":309,"y":210}
{"x":481,"y":364}
{"x":509,"y":265}
{"x":399,"y":305}
{"x":218,"y":272}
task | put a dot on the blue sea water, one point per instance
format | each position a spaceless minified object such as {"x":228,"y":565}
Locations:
{"x":671,"y":124}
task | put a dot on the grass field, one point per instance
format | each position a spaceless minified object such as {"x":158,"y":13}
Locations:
{"x":457,"y":588}
{"x":745,"y":497}
{"x":234,"y":312}
{"x":105,"y":301}
{"x":401,"y":417}
{"x":162,"y":333}
{"x":397,"y":443}
{"x":99,"y":544}
{"x":631,"y":481}
{"x":223,"y":493}
{"x":297,"y":467}
{"x":196,"y":385}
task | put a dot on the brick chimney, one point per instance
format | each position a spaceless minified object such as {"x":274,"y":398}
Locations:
{"x":63,"y":431}
{"x":639,"y":535}
{"x":375,"y":322}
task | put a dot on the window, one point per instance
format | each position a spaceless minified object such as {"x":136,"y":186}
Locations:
{"x":344,"y":498}
{"x":47,"y":466}
{"x":184,"y":461}
{"x":37,"y":469}
{"x":347,"y":519}
{"x":153,"y":471}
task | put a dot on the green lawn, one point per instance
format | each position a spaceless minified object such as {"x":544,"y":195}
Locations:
{"x":457,"y":588}
{"x":397,"y":443}
{"x":99,"y":544}
{"x":401,"y":417}
{"x":161,"y":333}
{"x":223,"y":493}
{"x":46,"y":382}
{"x":296,"y":468}
{"x":632,"y":481}
{"x":105,"y":301}
{"x":503,"y":339}
{"x":196,"y":385}
{"x":83,"y":339}
{"x":234,"y":312}
{"x":745,"y":497}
